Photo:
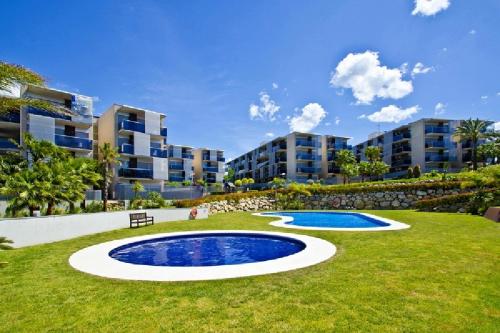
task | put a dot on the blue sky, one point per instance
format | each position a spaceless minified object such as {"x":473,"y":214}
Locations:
{"x":205,"y":63}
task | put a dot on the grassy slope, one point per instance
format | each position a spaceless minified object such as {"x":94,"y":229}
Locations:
{"x":443,"y":274}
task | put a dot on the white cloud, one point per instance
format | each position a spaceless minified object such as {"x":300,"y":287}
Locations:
{"x":472,"y":32}
{"x":392,"y":114}
{"x":445,"y":49}
{"x":484,"y":97}
{"x":266,"y":110}
{"x":363,"y":73}
{"x":337,"y":120}
{"x":498,"y":93}
{"x":312,"y":114}
{"x":430,"y":7}
{"x":419,"y":68}
{"x":363,"y":116}
{"x":404,"y":68}
{"x":275,"y":85}
{"x":269,"y":134}
{"x":96,"y":99}
{"x":440,"y":108}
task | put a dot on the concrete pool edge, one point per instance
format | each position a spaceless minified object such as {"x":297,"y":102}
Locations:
{"x":95,"y":260}
{"x":284,"y":222}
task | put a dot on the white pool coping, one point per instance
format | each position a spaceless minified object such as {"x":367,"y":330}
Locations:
{"x":95,"y":260}
{"x":284,"y":222}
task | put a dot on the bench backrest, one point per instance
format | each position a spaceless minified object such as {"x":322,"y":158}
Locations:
{"x":137,"y":216}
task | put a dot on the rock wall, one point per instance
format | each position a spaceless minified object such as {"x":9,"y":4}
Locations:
{"x":368,"y":200}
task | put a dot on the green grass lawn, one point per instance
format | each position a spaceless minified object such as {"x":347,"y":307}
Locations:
{"x":443,"y":274}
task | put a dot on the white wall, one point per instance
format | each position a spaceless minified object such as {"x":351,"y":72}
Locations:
{"x":142,"y":144}
{"x":47,"y":229}
{"x":42,"y":128}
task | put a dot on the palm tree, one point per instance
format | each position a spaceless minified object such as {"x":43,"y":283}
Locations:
{"x":11,"y":75}
{"x":473,"y":130}
{"x":137,"y":187}
{"x":108,"y":157}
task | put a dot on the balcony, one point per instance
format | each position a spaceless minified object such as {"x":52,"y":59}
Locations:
{"x":437,"y":157}
{"x":134,"y":126}
{"x":436,"y":129}
{"x":305,"y":143}
{"x":310,"y":157}
{"x":333,"y":169}
{"x":403,"y":162}
{"x":6,"y":144}
{"x":210,"y":168}
{"x":401,"y":136}
{"x":337,"y":145}
{"x":126,"y":148}
{"x":434,"y":144}
{"x":176,"y":178}
{"x":188,"y":156}
{"x":135,"y":173}
{"x":280,"y":146}
{"x":157,"y":152}
{"x":163,"y":131}
{"x":308,"y":169}
{"x":221,"y":159}
{"x":73,"y":142}
{"x":401,"y":149}
{"x":205,"y":157}
{"x":176,"y":166}
{"x":45,"y":113}
{"x":11,"y":117}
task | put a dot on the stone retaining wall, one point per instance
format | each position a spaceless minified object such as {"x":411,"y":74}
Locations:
{"x":368,"y":200}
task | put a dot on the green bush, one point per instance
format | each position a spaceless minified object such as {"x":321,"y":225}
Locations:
{"x":474,"y":202}
{"x":93,"y":207}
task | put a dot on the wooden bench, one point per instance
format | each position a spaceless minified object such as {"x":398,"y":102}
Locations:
{"x":136,"y":219}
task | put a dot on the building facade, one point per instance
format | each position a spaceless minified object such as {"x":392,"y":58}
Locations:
{"x":296,"y":156}
{"x":72,"y":132}
{"x":141,"y":139}
{"x":180,"y":163}
{"x":427,"y":142}
{"x":208,"y":165}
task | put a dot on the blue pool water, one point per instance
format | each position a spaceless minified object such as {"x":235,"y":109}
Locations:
{"x":331,"y":220}
{"x":207,"y":250}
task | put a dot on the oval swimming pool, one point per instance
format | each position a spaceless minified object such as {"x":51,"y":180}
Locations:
{"x":320,"y":220}
{"x":207,"y":250}
{"x":201,"y":255}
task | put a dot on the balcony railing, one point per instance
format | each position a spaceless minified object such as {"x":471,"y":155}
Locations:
{"x":163,"y":131}
{"x":157,"y":152}
{"x":437,"y":129}
{"x":402,"y":136}
{"x":304,"y":156}
{"x":333,"y":169}
{"x":337,"y":145}
{"x":401,"y":149}
{"x":45,"y":113}
{"x":305,"y":143}
{"x":130,"y":125}
{"x":403,"y":162}
{"x":210,"y":169}
{"x":126,"y":148}
{"x":135,"y":173}
{"x":73,"y":142}
{"x":221,"y":159}
{"x":437,"y":157}
{"x":308,"y":169}
{"x":12,"y":117}
{"x":280,"y":146}
{"x":434,"y":144}
{"x":7,"y":144}
{"x":189,"y":156}
{"x":175,"y":178}
{"x":176,"y":166}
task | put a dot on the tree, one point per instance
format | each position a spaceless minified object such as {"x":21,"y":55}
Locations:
{"x":347,"y":162}
{"x":378,"y":169}
{"x":489,"y":150}
{"x":472,"y":130}
{"x":137,"y":187}
{"x":108,"y":158}
{"x":278,"y":183}
{"x":372,"y":153}
{"x":11,"y":75}
{"x":409,"y":172}
{"x":229,"y":177}
{"x":238,"y":182}
{"x":364,"y":170}
{"x":417,"y":172}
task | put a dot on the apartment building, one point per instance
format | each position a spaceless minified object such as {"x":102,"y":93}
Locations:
{"x":180,"y":163}
{"x":208,"y":165}
{"x":427,"y":142}
{"x":141,"y":139}
{"x":296,"y":156}
{"x":73,"y":133}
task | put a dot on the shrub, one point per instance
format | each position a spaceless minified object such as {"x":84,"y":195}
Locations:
{"x":474,"y":202}
{"x":409,"y":172}
{"x":447,"y":200}
{"x":417,"y":172}
{"x":93,"y":207}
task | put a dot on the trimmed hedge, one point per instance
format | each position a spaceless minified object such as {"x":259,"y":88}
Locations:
{"x":446,"y":200}
{"x":330,"y":189}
